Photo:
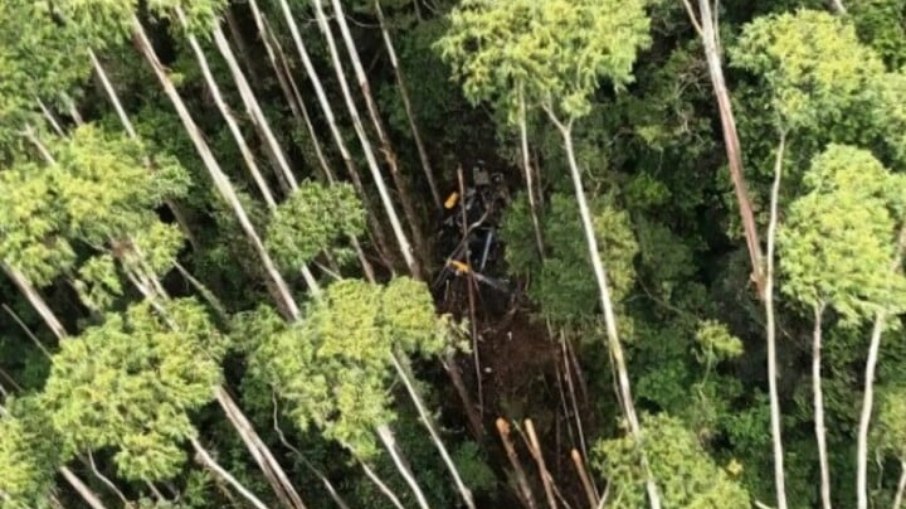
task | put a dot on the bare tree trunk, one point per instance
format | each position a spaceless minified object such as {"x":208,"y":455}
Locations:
{"x":376,"y":227}
{"x":386,"y":436}
{"x":407,"y":105}
{"x":221,"y":181}
{"x":382,"y":486}
{"x":284,"y":79}
{"x":300,"y":115}
{"x":178,"y":213}
{"x":590,"y":494}
{"x":452,"y":369}
{"x":901,"y":487}
{"x":390,"y":156}
{"x":820,"y":429}
{"x":871,"y":365}
{"x":529,"y":180}
{"x":542,"y":466}
{"x":37,"y":301}
{"x":277,"y":478}
{"x":82,"y":489}
{"x":708,"y":32}
{"x":614,"y":345}
{"x":49,"y":116}
{"x":253,"y":108}
{"x":771,"y":331}
{"x":525,"y":490}
{"x":405,"y":375}
{"x":204,"y":457}
{"x":401,"y":238}
{"x":839,"y":7}
{"x":224,"y":109}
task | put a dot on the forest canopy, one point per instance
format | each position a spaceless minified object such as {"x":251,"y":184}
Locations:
{"x":445,"y":254}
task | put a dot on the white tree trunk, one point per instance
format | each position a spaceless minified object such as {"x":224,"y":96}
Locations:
{"x":37,"y":301}
{"x":407,"y":105}
{"x":224,"y":109}
{"x":709,"y":34}
{"x":614,"y":345}
{"x":253,"y":108}
{"x":871,"y":365}
{"x":818,"y":394}
{"x":901,"y":487}
{"x":208,"y":462}
{"x":329,"y":116}
{"x":386,"y":436}
{"x":771,"y":332}
{"x":839,"y":7}
{"x":529,"y":179}
{"x":221,"y":181}
{"x":262,"y":454}
{"x":373,"y":166}
{"x":399,"y":180}
{"x":82,"y":489}
{"x":391,"y":496}
{"x":406,"y":376}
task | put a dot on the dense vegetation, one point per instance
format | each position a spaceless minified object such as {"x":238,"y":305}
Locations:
{"x":227,"y":280}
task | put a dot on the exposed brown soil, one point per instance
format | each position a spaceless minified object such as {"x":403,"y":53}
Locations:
{"x":521,"y":378}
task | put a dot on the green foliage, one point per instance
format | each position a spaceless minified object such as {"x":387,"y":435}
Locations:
{"x":33,"y":224}
{"x":882,"y":23}
{"x":131,"y":382}
{"x":562,"y":286}
{"x":28,"y":456}
{"x":313,"y":219}
{"x":838,"y":243}
{"x":554,"y":51}
{"x":97,"y":192}
{"x":716,"y":342}
{"x":334,"y":367}
{"x":892,"y":422}
{"x":686,"y":476}
{"x":811,"y":62}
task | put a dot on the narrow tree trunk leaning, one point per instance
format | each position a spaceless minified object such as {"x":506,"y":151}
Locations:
{"x":386,"y":436}
{"x":49,"y":116}
{"x":82,"y":489}
{"x":401,"y":238}
{"x":227,"y":115}
{"x":524,"y":489}
{"x":399,"y":180}
{"x":529,"y":180}
{"x":376,"y":228}
{"x":36,"y":300}
{"x":901,"y":487}
{"x":224,"y":187}
{"x":771,"y":332}
{"x":177,"y":211}
{"x":839,"y":7}
{"x":452,"y":369}
{"x":590,"y":494}
{"x":407,"y":105}
{"x":300,"y":115}
{"x":205,"y":459}
{"x":262,"y":454}
{"x":542,"y":466}
{"x":382,"y":486}
{"x":614,"y":345}
{"x":871,"y":365}
{"x":708,"y":32}
{"x":818,"y":394}
{"x":405,"y":374}
{"x":237,"y":134}
{"x":253,"y":108}
{"x":284,"y":77}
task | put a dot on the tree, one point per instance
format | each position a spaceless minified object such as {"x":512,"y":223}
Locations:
{"x":836,"y":251}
